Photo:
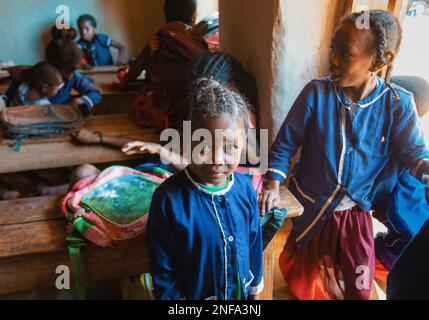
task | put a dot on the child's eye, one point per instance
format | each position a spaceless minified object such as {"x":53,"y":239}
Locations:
{"x":345,"y":54}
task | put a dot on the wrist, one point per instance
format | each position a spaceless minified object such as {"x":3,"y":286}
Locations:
{"x":272,"y":184}
{"x":100,"y":136}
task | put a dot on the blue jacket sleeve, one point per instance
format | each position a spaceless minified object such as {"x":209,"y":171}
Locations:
{"x":291,"y":134}
{"x":256,"y":251}
{"x":408,"y":140}
{"x":105,"y":40}
{"x":162,"y":249}
{"x":87,"y":93}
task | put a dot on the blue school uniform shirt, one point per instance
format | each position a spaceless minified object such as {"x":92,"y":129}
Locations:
{"x":343,"y":151}
{"x":87,"y":93}
{"x":97,"y":52}
{"x":17,"y":95}
{"x":199,"y":241}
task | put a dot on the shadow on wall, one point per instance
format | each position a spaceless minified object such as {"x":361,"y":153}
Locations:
{"x":138,"y":20}
{"x":128,"y":21}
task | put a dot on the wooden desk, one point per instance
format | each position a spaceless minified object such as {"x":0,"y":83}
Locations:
{"x":57,"y":152}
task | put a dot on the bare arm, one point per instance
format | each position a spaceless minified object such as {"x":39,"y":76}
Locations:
{"x":138,"y":65}
{"x":123,"y":56}
{"x":130,"y":146}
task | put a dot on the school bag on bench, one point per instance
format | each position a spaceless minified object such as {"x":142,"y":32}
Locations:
{"x":109,"y":209}
{"x":40,"y":121}
{"x":272,"y":221}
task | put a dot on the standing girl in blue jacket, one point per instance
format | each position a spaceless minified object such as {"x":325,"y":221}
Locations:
{"x":349,"y":126}
{"x":203,"y":233}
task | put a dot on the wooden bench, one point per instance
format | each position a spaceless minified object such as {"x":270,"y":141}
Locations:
{"x":32,"y":246}
{"x":62,"y":152}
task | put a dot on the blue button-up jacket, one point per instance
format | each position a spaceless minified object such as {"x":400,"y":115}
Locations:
{"x":343,"y":152}
{"x":199,"y":242}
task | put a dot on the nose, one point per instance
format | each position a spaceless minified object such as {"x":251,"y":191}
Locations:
{"x":333,"y":58}
{"x":218,"y":157}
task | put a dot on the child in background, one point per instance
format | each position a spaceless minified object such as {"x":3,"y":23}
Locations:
{"x":36,"y":86}
{"x":166,"y":65}
{"x":184,"y":11}
{"x":64,"y":54}
{"x":349,"y":126}
{"x":203,"y":232}
{"x":96,"y":47}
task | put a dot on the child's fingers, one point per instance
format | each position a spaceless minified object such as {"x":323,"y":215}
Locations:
{"x":270,"y":202}
{"x":130,"y":152}
{"x":263,"y":203}
{"x":131,"y":145}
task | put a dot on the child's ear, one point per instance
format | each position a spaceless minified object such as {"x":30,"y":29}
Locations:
{"x":389,"y":56}
{"x":377,"y":66}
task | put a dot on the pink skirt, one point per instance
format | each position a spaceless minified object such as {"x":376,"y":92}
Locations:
{"x":337,"y":263}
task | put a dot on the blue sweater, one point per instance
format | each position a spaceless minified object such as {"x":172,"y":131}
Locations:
{"x":97,"y":52}
{"x":199,"y":241}
{"x":87,"y":93}
{"x":342,"y":154}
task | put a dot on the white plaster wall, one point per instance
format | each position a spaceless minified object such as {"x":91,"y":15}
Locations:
{"x":25,"y":24}
{"x":283,"y":43}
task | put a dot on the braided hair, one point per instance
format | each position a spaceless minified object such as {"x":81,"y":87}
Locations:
{"x":388,"y":34}
{"x":207,"y":98}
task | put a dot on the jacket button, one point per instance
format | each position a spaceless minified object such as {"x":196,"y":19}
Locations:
{"x":231,"y":238}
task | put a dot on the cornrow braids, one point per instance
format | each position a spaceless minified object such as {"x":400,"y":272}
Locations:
{"x":208,"y":98}
{"x":388,"y":33}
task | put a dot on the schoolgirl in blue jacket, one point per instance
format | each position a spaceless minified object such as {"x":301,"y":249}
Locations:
{"x":203,"y":233}
{"x":349,"y":126}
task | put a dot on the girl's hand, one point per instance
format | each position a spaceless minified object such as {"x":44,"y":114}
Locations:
{"x":140,"y":147}
{"x":87,"y":137}
{"x":201,"y":28}
{"x":154,"y":43}
{"x":269,"y":197}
